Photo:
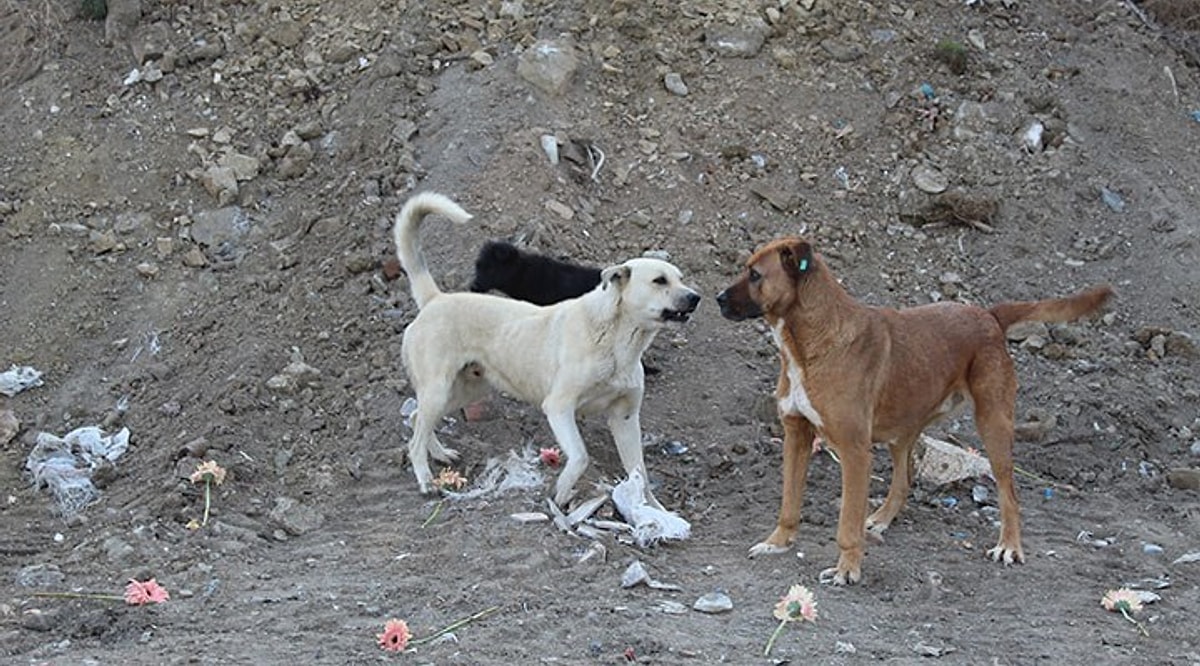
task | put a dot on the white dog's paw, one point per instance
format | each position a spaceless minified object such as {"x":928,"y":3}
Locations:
{"x":765,"y":548}
{"x":443,"y":454}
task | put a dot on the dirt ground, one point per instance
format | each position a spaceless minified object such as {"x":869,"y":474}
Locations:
{"x":172,"y":239}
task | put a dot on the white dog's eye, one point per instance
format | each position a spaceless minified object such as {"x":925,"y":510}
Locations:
{"x":660,"y":279}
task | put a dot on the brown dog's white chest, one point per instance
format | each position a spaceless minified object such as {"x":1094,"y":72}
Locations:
{"x":796,"y":400}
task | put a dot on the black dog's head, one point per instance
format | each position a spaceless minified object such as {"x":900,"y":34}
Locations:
{"x":531,"y":277}
{"x":496,"y":266}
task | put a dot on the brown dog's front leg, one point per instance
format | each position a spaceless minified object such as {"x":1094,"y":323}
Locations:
{"x":856,"y":479}
{"x":797,"y":451}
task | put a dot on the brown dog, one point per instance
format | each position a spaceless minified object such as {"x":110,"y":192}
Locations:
{"x":857,"y":375}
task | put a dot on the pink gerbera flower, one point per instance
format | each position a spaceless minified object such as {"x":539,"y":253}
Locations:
{"x":1123,"y":600}
{"x":551,"y":457}
{"x":797,"y":604}
{"x":449,"y":479}
{"x":149,"y":592}
{"x":395,"y":636}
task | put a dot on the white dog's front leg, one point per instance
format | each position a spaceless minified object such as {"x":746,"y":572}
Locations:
{"x":626,"y":429}
{"x":566,"y":431}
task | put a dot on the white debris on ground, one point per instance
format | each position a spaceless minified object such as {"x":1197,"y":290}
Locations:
{"x":650,"y":524}
{"x":18,"y":378}
{"x":65,"y":465}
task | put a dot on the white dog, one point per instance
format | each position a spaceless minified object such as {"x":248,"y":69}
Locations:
{"x":579,"y":355}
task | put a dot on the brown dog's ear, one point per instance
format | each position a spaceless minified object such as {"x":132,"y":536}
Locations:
{"x":617,"y":276}
{"x":797,"y":258}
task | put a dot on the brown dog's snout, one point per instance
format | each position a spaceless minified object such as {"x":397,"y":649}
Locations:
{"x":736,"y":304}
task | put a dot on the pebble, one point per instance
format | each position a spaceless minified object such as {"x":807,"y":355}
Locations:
{"x":528,"y":517}
{"x":743,"y":40}
{"x":294,"y":517}
{"x":930,"y":180}
{"x":1152,"y":549}
{"x":1112,"y":200}
{"x":674,"y":83}
{"x":713,"y":603}
{"x":841,"y":51}
{"x":1184,"y":479}
{"x":1031,"y":138}
{"x":39,"y":575}
{"x":210,"y":227}
{"x":9,"y":426}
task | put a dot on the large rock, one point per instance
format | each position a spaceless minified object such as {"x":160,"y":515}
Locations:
{"x":548,"y":65}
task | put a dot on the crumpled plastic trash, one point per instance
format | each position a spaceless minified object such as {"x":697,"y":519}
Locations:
{"x":18,"y":378}
{"x":65,"y":465}
{"x":650,"y":524}
{"x":514,"y":472}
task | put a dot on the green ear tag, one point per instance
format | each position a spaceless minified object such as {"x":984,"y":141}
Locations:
{"x":803,"y":265}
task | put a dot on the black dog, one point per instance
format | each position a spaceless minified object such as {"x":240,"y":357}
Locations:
{"x":526,"y":276}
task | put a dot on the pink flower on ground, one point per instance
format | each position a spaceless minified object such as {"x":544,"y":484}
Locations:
{"x":797,"y":604}
{"x":211,"y":469}
{"x":149,"y":592}
{"x":551,"y":457}
{"x":1122,"y":600}
{"x":449,"y":479}
{"x":395,"y":636}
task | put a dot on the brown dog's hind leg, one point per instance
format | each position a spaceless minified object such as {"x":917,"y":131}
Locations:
{"x":797,"y":451}
{"x":902,"y":475}
{"x":993,"y":385}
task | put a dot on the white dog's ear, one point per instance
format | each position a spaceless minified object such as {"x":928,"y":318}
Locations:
{"x":617,"y":276}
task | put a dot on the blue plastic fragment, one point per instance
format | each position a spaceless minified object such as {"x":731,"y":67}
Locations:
{"x":927,"y":91}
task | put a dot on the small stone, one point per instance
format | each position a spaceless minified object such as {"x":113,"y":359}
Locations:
{"x":841,"y":51}
{"x":102,"y":242}
{"x":482,"y":59}
{"x":975,"y":38}
{"x":1184,"y":479}
{"x":147,"y":269}
{"x":295,"y":518}
{"x":194,"y":258}
{"x":713,"y":603}
{"x":9,"y":426}
{"x":674,"y":83}
{"x":285,"y":33}
{"x":560,"y":209}
{"x":36,"y":619}
{"x":39,"y":575}
{"x":309,"y":130}
{"x":528,"y":517}
{"x":219,"y":180}
{"x":243,"y":167}
{"x":480,"y":410}
{"x":211,"y":227}
{"x":1027,"y":329}
{"x":164,"y":246}
{"x":929,"y":180}
{"x":117,"y":550}
{"x":296,"y":161}
{"x":1031,"y":138}
{"x":391,"y":269}
{"x":744,"y":40}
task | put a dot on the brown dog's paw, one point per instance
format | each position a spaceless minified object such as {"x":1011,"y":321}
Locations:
{"x":835,"y":576}
{"x":1007,"y":554}
{"x":767,"y":548}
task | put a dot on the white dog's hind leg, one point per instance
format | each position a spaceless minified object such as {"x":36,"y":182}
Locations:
{"x":626,"y":431}
{"x":566,"y":431}
{"x":431,"y":407}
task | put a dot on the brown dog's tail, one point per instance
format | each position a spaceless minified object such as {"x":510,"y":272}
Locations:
{"x":1053,"y":309}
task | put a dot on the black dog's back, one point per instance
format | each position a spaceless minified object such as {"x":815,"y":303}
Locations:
{"x":531,"y":277}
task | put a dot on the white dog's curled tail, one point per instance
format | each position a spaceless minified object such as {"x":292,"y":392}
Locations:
{"x":408,"y":244}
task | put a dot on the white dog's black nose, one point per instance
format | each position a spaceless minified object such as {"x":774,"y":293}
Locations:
{"x":693,"y":299}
